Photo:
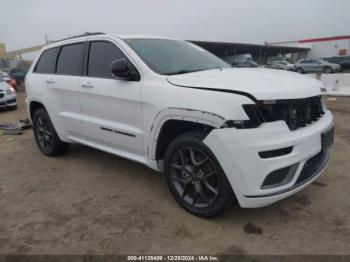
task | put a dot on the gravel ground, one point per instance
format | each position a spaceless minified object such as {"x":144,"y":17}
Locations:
{"x":90,"y":202}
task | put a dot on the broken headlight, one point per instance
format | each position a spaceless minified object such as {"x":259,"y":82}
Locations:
{"x":295,"y":113}
{"x":255,"y":118}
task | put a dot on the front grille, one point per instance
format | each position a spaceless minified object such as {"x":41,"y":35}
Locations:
{"x":312,"y":167}
{"x":1,"y":95}
{"x":11,"y":101}
{"x":276,"y":152}
{"x":295,"y":112}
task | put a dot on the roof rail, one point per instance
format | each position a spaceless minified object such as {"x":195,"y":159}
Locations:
{"x":77,"y":36}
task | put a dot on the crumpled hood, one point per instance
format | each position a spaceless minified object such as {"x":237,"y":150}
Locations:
{"x":263,"y":84}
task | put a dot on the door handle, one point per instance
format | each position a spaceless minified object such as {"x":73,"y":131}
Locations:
{"x":87,"y":85}
{"x":50,"y":81}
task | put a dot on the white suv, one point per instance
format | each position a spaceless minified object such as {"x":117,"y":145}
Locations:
{"x":217,"y":132}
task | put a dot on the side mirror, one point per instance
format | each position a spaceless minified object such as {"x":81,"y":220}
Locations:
{"x":123,"y":70}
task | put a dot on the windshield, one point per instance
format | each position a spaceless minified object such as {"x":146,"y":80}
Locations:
{"x":171,"y":57}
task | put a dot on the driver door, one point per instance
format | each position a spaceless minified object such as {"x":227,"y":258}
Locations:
{"x":111,"y":109}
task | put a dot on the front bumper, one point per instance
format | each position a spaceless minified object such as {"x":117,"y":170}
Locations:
{"x":8,"y":100}
{"x":237,"y":150}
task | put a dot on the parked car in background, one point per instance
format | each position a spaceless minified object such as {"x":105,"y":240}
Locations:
{"x":248,"y":63}
{"x":8,"y":97}
{"x":8,"y":79}
{"x":343,"y":61}
{"x":18,"y":74}
{"x":282,"y":65}
{"x":345,"y":64}
{"x":243,"y":60}
{"x":218,"y":133}
{"x":316,"y":65}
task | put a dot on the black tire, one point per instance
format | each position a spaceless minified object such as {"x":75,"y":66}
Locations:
{"x":207,"y":195}
{"x":45,"y":135}
{"x":300,"y":70}
{"x":328,"y":70}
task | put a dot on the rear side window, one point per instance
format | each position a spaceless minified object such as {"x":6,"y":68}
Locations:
{"x":70,"y":60}
{"x":47,"y":61}
{"x":101,"y":55}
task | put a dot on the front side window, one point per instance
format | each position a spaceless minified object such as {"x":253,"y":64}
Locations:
{"x":47,"y":62}
{"x":101,"y":55}
{"x":170,"y":57}
{"x":70,"y":60}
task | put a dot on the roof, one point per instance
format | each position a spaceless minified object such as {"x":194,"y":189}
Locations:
{"x":141,"y":36}
{"x":122,"y":36}
{"x":86,"y":35}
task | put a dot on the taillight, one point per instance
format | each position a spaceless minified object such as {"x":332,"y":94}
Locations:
{"x":12,"y":82}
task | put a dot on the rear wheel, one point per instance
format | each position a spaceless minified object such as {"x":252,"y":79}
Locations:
{"x":195,"y":177}
{"x":46,"y":136}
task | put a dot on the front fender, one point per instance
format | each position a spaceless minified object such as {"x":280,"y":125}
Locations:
{"x":184,"y":114}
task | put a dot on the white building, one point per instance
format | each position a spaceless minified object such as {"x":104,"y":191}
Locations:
{"x":320,"y":47}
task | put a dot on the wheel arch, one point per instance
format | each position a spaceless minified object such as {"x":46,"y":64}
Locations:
{"x":34,"y":105}
{"x":172,"y":122}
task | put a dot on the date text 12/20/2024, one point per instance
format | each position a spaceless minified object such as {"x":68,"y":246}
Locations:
{"x":173,"y":258}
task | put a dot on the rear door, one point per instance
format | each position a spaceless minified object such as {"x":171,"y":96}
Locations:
{"x":63,"y":89}
{"x":306,"y":64}
{"x":43,"y":72}
{"x":315,"y":65}
{"x":111,"y":110}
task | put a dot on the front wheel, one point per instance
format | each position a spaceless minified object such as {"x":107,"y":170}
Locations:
{"x":328,"y":70}
{"x":45,"y":135}
{"x":299,"y":70}
{"x":195,"y":178}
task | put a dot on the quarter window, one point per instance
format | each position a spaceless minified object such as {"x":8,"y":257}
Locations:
{"x":101,"y":55}
{"x":47,"y":61}
{"x":70,"y":60}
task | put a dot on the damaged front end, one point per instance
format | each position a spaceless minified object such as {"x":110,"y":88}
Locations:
{"x":295,"y":113}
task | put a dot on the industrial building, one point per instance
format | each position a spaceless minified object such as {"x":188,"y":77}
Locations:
{"x":320,"y":47}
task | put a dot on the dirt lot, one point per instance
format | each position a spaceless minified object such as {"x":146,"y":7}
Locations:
{"x":90,"y":202}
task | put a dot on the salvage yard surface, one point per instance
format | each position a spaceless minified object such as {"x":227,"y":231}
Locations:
{"x":91,"y":202}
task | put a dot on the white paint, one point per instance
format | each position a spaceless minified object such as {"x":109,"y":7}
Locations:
{"x":237,"y":151}
{"x":141,"y":108}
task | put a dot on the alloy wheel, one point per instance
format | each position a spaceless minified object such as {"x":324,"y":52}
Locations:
{"x":44,"y":133}
{"x":194,"y":177}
